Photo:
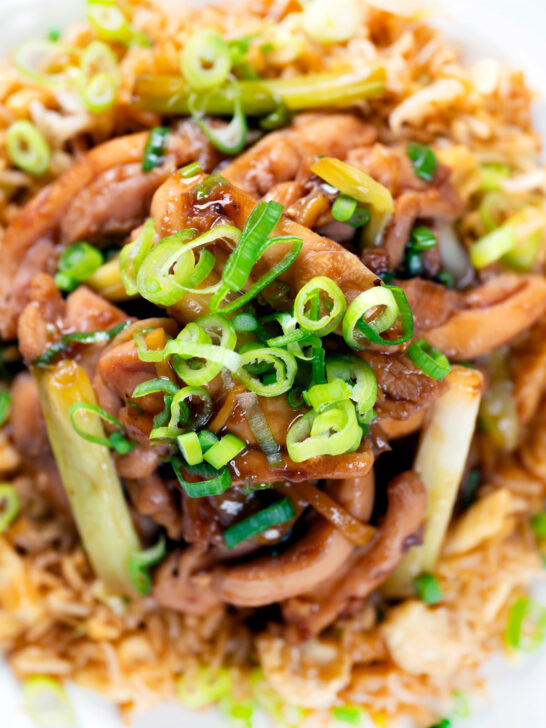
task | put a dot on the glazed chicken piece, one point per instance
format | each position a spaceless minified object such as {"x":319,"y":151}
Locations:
{"x":105,"y":192}
{"x":287,"y":154}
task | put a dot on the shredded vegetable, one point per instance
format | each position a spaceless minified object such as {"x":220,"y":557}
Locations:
{"x":9,"y":505}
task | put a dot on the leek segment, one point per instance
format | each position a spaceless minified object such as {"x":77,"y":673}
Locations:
{"x":89,"y":476}
{"x":359,"y":185}
{"x":440,"y":461}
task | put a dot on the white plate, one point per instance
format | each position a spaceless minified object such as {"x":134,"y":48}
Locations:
{"x":510,"y":29}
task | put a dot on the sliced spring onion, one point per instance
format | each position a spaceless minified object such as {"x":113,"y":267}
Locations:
{"x":428,"y":589}
{"x":141,"y":561}
{"x":283,"y":364}
{"x":357,"y":184}
{"x":260,"y":428}
{"x":116,"y":441}
{"x":493,"y":246}
{"x":351,"y":714}
{"x":206,"y":439}
{"x":132,"y":255}
{"x":326,"y":22}
{"x":229,"y":139}
{"x":358,"y":375}
{"x":47,"y":703}
{"x":332,"y":432}
{"x":27,"y":148}
{"x":79,"y":337}
{"x":322,"y":395}
{"x":394,"y":303}
{"x":178,"y":407}
{"x":492,"y":176}
{"x":77,"y":263}
{"x":157,"y":284}
{"x":430,"y":360}
{"x":276,"y":119}
{"x":111,"y":24}
{"x":318,"y":371}
{"x":245,"y":322}
{"x":5,"y":404}
{"x":156,"y":146}
{"x":151,"y":386}
{"x":496,"y":207}
{"x":205,"y":687}
{"x":538,"y":524}
{"x":98,"y":77}
{"x":41,"y":59}
{"x":205,"y":60}
{"x":172,"y":95}
{"x":238,"y":714}
{"x":9,"y":505}
{"x":335,"y":305}
{"x":259,"y":523}
{"x":461,"y":707}
{"x":191,"y":170}
{"x":344,"y":208}
{"x":218,"y":483}
{"x":190,"y":447}
{"x":195,"y":342}
{"x":526,"y":626}
{"x":444,"y":723}
{"x":223,"y":451}
{"x":423,"y":159}
{"x":445,"y":278}
{"x":422,"y":238}
{"x":53,"y":34}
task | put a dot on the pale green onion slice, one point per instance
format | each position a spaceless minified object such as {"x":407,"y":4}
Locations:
{"x":259,"y":426}
{"x":332,"y":432}
{"x":205,"y":60}
{"x":204,"y":687}
{"x":212,"y":328}
{"x":380,"y":298}
{"x":229,"y":139}
{"x":77,"y":263}
{"x":258,"y":523}
{"x":335,"y":305}
{"x":190,"y":447}
{"x":108,"y":21}
{"x":27,"y":148}
{"x":98,"y":77}
{"x":179,"y":405}
{"x":358,"y":375}
{"x":493,"y":246}
{"x":284,"y":367}
{"x":47,"y":703}
{"x":325,"y":21}
{"x":115,"y":441}
{"x":429,"y":359}
{"x":39,"y":59}
{"x":132,"y":255}
{"x":357,"y":184}
{"x":5,"y":405}
{"x":493,"y":175}
{"x":157,"y":284}
{"x":321,"y":396}
{"x":140,"y":562}
{"x":223,"y":451}
{"x":217,"y":484}
{"x":526,"y":626}
{"x":9,"y":505}
{"x":151,"y":386}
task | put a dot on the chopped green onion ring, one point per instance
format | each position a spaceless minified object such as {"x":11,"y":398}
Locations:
{"x":423,"y":159}
{"x":151,"y":386}
{"x":5,"y":404}
{"x":27,"y":148}
{"x":526,"y":626}
{"x":332,"y":432}
{"x":538,"y":524}
{"x":204,"y":688}
{"x":358,"y":375}
{"x":79,"y":337}
{"x":132,"y":255}
{"x":77,"y":263}
{"x":156,"y":146}
{"x":258,"y":523}
{"x":223,"y":451}
{"x":190,"y":447}
{"x":47,"y":703}
{"x":394,"y":303}
{"x":9,"y":505}
{"x":35,"y":57}
{"x":321,"y":396}
{"x":140,"y":562}
{"x":284,"y":366}
{"x":205,"y":60}
{"x":116,"y":441}
{"x":428,"y":589}
{"x":330,"y":321}
{"x":229,"y":139}
{"x":218,"y":484}
{"x":430,"y":360}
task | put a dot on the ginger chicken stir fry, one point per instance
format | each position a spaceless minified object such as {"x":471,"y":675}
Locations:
{"x":261,"y":353}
